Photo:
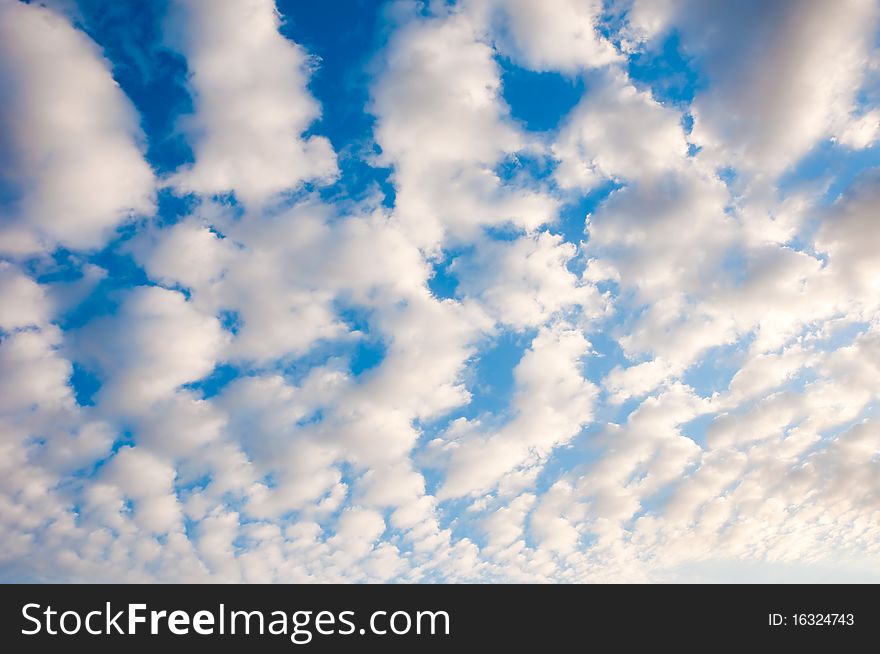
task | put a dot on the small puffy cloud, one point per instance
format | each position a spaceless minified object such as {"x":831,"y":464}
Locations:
{"x":22,"y":300}
{"x":252,"y":104}
{"x":557,"y":34}
{"x":188,"y":254}
{"x":149,"y":482}
{"x":526,"y":282}
{"x":72,"y":143}
{"x":617,"y":132}
{"x":443,"y":125}
{"x":553,"y":401}
{"x":34,"y":374}
{"x":263,"y":382}
{"x":356,"y":531}
{"x":637,"y":380}
{"x":156,"y":343}
{"x":553,"y":521}
{"x":507,"y":523}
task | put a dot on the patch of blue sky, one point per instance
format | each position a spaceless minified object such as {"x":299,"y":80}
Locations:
{"x":538,"y":100}
{"x":503,"y":232}
{"x":465,"y":522}
{"x":608,"y":287}
{"x":101,"y":299}
{"x":611,"y":20}
{"x":443,"y":282}
{"x":344,"y":43}
{"x":697,"y":428}
{"x":367,"y":355}
{"x":655,"y":502}
{"x":491,"y":382}
{"x":728,"y":175}
{"x":122,"y":273}
{"x":85,"y":383}
{"x":433,"y":476}
{"x":361,"y":351}
{"x":839,"y":334}
{"x":73,"y":481}
{"x":578,"y":454}
{"x":831,"y":167}
{"x":191,"y":480}
{"x":214,"y":383}
{"x":715,"y":368}
{"x":172,"y":207}
{"x":367,"y":350}
{"x":615,"y":411}
{"x":687,"y":124}
{"x":573,"y":213}
{"x":521,"y":167}
{"x":231,"y":321}
{"x":125,"y":438}
{"x":151,"y":74}
{"x":59,"y":267}
{"x":491,"y":373}
{"x":673,"y":76}
{"x":295,"y":368}
{"x":606,"y":354}
{"x":493,"y":387}
{"x":190,"y":528}
{"x":490,"y":379}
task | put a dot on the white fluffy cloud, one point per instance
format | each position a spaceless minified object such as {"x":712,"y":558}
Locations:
{"x":557,"y":34}
{"x":781,"y":78}
{"x":72,"y":144}
{"x":252,"y":103}
{"x":553,"y":401}
{"x":617,"y":132}
{"x":22,"y":301}
{"x":444,"y":127}
{"x":526,"y":282}
{"x":851,"y":237}
{"x":468,"y":379}
{"x":156,"y":343}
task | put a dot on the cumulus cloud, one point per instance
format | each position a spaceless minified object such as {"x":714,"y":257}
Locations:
{"x":23,"y":301}
{"x":558,"y":34}
{"x":553,"y":401}
{"x":638,"y":346}
{"x":443,"y":125}
{"x":617,"y":132}
{"x":781,"y":78}
{"x":156,"y":343}
{"x":851,"y":234}
{"x":71,"y":141}
{"x":252,"y":104}
{"x":526,"y":282}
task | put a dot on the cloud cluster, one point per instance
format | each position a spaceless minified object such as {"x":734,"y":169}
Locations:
{"x":639,"y":345}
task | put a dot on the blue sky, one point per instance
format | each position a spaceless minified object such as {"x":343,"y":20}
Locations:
{"x":442,"y":291}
